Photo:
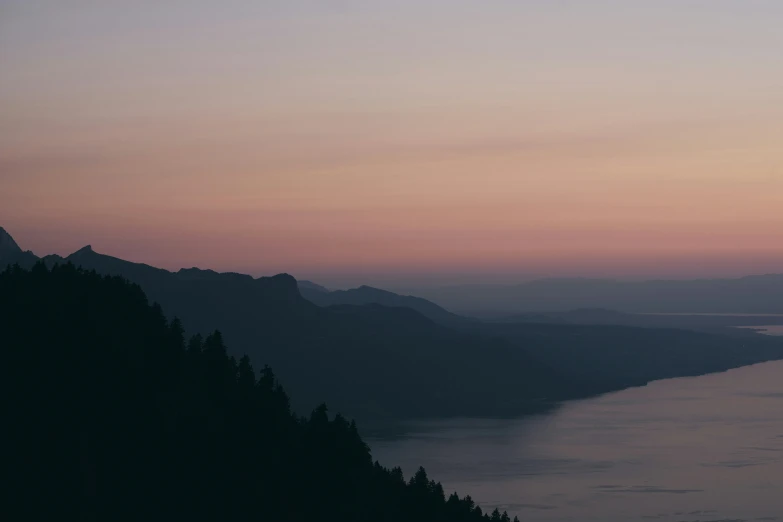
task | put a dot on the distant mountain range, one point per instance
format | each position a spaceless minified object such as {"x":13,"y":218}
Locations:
{"x":724,"y":324}
{"x":751,"y":294}
{"x":369,"y":352}
{"x":310,"y":286}
{"x":367,"y":295}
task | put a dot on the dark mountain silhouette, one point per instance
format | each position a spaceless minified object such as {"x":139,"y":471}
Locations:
{"x":10,"y":253}
{"x":368,"y":295}
{"x":114,"y":416}
{"x":605,"y":358}
{"x":752,"y":294}
{"x":7,"y":243}
{"x":355,"y":357}
{"x":310,"y":286}
{"x":375,"y":360}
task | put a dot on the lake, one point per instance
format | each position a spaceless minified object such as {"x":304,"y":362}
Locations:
{"x":706,"y":448}
{"x":772,"y":329}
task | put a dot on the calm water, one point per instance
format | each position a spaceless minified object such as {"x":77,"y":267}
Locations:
{"x":695,"y":449}
{"x":773,"y":329}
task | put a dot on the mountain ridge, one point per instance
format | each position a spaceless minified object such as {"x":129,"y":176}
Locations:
{"x":351,"y":356}
{"x":376,"y":360}
{"x":747,"y":294}
{"x":7,"y":243}
{"x":365,"y":294}
{"x":11,"y":253}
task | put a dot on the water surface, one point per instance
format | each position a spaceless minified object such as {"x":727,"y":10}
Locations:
{"x":771,"y":329}
{"x":694,"y":449}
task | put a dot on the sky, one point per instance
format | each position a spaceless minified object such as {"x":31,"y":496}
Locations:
{"x":425,"y":141}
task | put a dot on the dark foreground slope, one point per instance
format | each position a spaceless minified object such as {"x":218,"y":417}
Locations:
{"x":113,"y":416}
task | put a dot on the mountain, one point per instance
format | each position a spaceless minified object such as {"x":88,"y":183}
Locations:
{"x":608,"y":357}
{"x":365,"y":360}
{"x":7,"y":243}
{"x":10,"y":253}
{"x":373,"y":360}
{"x":752,"y":295}
{"x":310,"y":286}
{"x":368,"y":295}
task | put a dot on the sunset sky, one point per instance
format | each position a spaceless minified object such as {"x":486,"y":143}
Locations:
{"x":398,"y":141}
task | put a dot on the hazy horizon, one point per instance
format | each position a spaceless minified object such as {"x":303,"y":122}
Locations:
{"x":396,"y":143}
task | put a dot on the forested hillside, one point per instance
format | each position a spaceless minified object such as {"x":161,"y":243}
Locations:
{"x":114,"y":415}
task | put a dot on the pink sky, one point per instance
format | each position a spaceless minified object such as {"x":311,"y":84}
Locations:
{"x":398,"y":140}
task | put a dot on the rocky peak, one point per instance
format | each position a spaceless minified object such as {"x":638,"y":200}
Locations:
{"x":83,"y":250}
{"x":7,"y":243}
